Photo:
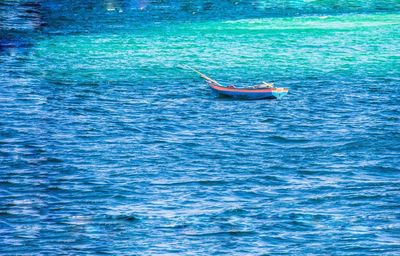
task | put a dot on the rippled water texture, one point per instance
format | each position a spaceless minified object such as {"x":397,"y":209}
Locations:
{"x":107,"y":146}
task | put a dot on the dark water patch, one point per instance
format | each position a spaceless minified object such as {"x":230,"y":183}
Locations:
{"x":52,"y":160}
{"x":123,"y":217}
{"x":383,"y":170}
{"x":281,"y":139}
{"x":235,"y":212}
{"x":268,"y":179}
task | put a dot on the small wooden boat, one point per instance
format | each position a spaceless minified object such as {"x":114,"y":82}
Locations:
{"x":249,"y":93}
{"x":257,"y":92}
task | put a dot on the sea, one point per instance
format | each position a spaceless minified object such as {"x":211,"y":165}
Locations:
{"x":109,"y":147}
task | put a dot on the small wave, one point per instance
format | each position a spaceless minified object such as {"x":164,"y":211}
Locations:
{"x":277,"y":138}
{"x":234,"y":212}
{"x":224,"y":233}
{"x":53,"y":160}
{"x":271,"y":178}
{"x":124,"y":217}
{"x":383,"y":169}
{"x":192,"y":182}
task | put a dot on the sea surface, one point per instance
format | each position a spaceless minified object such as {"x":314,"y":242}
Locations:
{"x":108,"y":146}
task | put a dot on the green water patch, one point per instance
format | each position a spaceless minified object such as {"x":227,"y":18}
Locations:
{"x":295,"y":48}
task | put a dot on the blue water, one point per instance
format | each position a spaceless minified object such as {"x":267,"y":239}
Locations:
{"x":108,"y":147}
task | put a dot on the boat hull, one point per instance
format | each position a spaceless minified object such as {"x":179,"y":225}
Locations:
{"x":249,"y":94}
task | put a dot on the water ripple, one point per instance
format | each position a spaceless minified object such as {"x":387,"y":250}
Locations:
{"x":107,"y":147}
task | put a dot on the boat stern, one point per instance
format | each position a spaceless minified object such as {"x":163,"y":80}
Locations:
{"x":279,"y":93}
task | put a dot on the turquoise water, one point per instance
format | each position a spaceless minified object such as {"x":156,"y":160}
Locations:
{"x":107,"y":146}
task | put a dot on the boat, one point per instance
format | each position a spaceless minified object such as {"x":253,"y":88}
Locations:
{"x":249,"y":93}
{"x":256,"y":92}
